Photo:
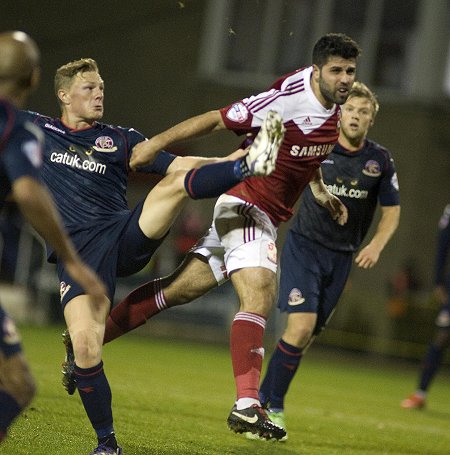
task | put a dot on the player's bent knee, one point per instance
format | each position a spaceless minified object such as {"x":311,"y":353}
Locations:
{"x":87,"y":346}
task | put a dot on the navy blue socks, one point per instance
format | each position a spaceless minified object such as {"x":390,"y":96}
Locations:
{"x":212,"y":180}
{"x":280,"y":372}
{"x":95,"y":394}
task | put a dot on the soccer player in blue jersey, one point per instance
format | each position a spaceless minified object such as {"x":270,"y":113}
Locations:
{"x":21,"y":146}
{"x":433,"y":358}
{"x":86,"y":167}
{"x":318,"y":253}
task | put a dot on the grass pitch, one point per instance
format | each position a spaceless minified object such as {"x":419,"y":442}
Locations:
{"x":173,"y":398}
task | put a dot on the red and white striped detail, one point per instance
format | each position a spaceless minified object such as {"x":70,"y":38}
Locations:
{"x":250,"y":317}
{"x":159,"y":296}
{"x":260,"y":103}
{"x":249,"y":228}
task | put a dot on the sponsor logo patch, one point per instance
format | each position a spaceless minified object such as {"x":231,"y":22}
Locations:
{"x":237,"y":113}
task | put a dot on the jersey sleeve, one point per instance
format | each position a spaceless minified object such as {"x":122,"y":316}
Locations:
{"x":160,"y":165}
{"x":248,"y":114}
{"x":23,"y":153}
{"x":389,"y":193}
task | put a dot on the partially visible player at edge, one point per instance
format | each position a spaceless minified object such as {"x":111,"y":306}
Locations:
{"x":86,"y":167}
{"x":435,"y":353}
{"x":317,"y":255}
{"x":241,"y":242}
{"x":21,"y":146}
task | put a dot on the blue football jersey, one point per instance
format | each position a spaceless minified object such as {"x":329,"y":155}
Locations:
{"x":21,"y":145}
{"x":360,"y":179}
{"x":87,"y":170}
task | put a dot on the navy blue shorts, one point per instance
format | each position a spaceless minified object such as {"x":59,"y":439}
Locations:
{"x":9,"y":336}
{"x":312,"y":277}
{"x":115,"y":248}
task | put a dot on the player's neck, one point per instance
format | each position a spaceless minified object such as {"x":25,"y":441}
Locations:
{"x":352,"y":145}
{"x":76,"y":123}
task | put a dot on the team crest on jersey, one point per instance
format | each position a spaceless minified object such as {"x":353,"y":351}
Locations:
{"x":237,"y":113}
{"x":295,"y":297}
{"x":372,"y":168}
{"x":104,"y":144}
{"x":63,"y":289}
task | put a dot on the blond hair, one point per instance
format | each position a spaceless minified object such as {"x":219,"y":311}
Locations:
{"x":65,"y":74}
{"x":361,"y":90}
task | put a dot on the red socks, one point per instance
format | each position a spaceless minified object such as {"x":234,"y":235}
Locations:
{"x":247,"y":353}
{"x":133,"y":311}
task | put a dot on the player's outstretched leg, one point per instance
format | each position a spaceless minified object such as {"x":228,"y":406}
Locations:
{"x":264,"y":150}
{"x":254,"y":420}
{"x":68,"y":366}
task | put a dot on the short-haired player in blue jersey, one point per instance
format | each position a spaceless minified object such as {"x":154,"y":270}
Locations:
{"x":434,"y":355}
{"x":21,"y":145}
{"x":86,"y":167}
{"x":318,"y":252}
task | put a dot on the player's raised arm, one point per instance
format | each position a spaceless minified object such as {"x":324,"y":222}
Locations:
{"x":145,"y":152}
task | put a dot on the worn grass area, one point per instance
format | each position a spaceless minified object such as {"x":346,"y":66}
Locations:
{"x":172,"y":398}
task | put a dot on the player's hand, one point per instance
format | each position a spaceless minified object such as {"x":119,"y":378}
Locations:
{"x":87,"y":279}
{"x":144,"y":154}
{"x":338,"y":211}
{"x":367,"y":257}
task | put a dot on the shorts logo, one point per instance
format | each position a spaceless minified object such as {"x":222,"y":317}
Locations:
{"x":237,"y":113}
{"x":63,"y":289}
{"x":104,"y":144}
{"x":10,"y":333}
{"x":272,"y":251}
{"x":295,"y":297}
{"x":372,"y":169}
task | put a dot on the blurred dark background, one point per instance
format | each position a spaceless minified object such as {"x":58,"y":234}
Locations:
{"x":166,"y":60}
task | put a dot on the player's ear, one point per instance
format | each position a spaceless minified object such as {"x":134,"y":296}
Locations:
{"x":63,"y":96}
{"x":316,"y":72}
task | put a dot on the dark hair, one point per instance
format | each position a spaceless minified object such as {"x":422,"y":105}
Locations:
{"x":334,"y":44}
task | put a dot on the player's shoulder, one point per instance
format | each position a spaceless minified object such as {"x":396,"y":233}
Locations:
{"x":375,"y":148}
{"x":291,"y":80}
{"x":124,"y":130}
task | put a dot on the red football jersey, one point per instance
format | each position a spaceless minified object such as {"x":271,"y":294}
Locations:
{"x":311,"y":132}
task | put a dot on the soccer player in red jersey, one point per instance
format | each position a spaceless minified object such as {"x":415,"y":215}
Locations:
{"x":241,"y":242}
